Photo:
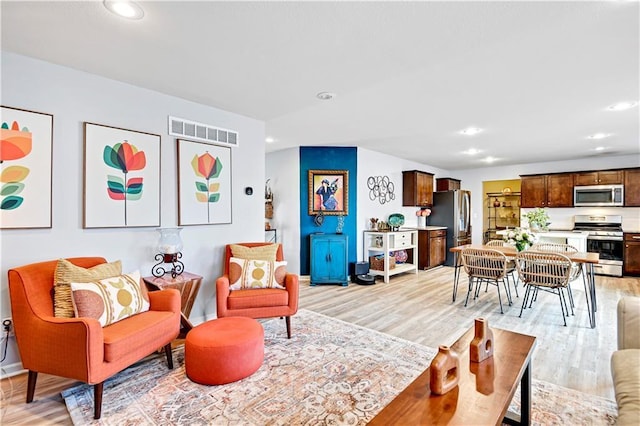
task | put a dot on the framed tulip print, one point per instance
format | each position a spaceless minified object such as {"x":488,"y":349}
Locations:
{"x":204,"y":183}
{"x":121,"y":177}
{"x":26,"y":140}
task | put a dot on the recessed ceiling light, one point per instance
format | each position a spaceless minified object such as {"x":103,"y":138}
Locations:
{"x":472,"y":151}
{"x":126,"y":9}
{"x":600,"y":148}
{"x":326,"y":96}
{"x":490,"y":159}
{"x":470,"y":131}
{"x":622,"y":106}
{"x":269,"y":140}
{"x":599,"y":136}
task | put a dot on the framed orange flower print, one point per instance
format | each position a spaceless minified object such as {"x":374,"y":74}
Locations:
{"x":26,"y":141}
{"x":204,"y":183}
{"x":121,"y":177}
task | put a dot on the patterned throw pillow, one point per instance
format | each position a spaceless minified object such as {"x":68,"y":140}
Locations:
{"x":111,"y":299}
{"x":266,"y":252}
{"x":66,"y":272}
{"x":251,"y":273}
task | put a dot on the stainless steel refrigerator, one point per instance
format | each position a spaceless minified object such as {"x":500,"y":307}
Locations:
{"x":453,"y":210}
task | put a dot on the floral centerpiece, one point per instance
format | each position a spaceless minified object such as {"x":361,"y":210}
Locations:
{"x":521,"y":238}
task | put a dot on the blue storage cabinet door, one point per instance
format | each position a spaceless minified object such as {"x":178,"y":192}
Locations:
{"x":329,"y":259}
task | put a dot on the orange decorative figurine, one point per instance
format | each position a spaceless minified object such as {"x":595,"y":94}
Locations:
{"x":481,"y":346}
{"x":444,"y":370}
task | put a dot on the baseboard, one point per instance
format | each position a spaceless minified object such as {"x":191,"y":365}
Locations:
{"x":11,"y":370}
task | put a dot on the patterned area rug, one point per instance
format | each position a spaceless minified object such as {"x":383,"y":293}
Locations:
{"x":330,"y":372}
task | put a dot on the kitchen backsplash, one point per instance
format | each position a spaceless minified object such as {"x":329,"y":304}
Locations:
{"x":562,"y":218}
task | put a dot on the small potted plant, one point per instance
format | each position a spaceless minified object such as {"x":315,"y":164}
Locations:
{"x":538,"y":219}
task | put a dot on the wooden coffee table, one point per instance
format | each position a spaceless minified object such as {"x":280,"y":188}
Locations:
{"x":484,"y":391}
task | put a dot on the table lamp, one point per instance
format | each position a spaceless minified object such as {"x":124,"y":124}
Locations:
{"x":169,"y":246}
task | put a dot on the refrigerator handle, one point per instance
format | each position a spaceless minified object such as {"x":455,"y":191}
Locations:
{"x":466,"y":211}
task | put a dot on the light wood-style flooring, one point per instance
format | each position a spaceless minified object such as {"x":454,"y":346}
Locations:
{"x":419,"y":308}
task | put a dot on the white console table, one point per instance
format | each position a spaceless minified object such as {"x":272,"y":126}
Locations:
{"x":377,"y":242}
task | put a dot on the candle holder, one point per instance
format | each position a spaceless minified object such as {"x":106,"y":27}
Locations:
{"x":169,"y":247}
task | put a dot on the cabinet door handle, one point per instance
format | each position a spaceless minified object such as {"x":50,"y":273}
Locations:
{"x":635,"y":237}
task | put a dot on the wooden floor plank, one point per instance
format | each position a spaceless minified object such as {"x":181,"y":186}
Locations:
{"x":419,"y":308}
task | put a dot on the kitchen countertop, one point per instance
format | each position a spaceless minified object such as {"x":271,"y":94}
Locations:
{"x":556,"y":234}
{"x":425,"y":228}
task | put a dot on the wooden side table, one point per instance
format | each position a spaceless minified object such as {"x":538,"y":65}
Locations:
{"x":188,"y":284}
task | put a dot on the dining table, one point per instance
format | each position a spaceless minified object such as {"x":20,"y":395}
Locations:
{"x":586,"y":260}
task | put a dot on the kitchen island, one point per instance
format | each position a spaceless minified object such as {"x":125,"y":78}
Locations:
{"x":577,"y":239}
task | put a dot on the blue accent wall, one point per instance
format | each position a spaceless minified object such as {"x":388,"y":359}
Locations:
{"x":327,"y":158}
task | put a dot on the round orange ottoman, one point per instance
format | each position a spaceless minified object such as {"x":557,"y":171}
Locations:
{"x":224,"y":350}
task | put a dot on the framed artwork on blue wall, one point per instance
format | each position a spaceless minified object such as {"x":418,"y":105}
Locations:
{"x":328,"y":192}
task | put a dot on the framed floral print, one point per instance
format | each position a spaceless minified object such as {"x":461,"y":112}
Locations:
{"x":26,"y":142}
{"x":328,"y":192}
{"x":204,"y":183}
{"x":121,"y":177}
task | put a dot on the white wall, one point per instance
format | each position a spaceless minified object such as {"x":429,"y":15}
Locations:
{"x":561,"y":218}
{"x":74,"y":97}
{"x":371,"y":163}
{"x":283,"y":168}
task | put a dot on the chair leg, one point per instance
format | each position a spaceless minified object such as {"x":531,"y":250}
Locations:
{"x":469,"y":291}
{"x":288,"y":321}
{"x":526,"y":297}
{"x":97,"y":397}
{"x":507,"y":290}
{"x":499,"y":298}
{"x":31,"y":385}
{"x":570,"y":296}
{"x":515,"y":283}
{"x":169,"y":354}
{"x":562,"y":307}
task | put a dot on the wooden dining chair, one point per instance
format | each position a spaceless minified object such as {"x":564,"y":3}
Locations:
{"x":485,"y":265}
{"x":545,"y":271}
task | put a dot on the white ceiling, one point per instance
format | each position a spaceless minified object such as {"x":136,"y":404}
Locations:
{"x":537,"y":76}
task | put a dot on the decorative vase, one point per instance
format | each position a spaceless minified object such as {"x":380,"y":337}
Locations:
{"x":534,"y":226}
{"x":496,"y":202}
{"x":422,"y":221}
{"x":481,"y":346}
{"x":521,"y":246}
{"x":444,"y":371}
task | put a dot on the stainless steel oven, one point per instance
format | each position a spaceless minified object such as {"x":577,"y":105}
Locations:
{"x":604,"y":237}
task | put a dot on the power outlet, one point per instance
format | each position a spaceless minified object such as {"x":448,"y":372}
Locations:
{"x":7,"y":325}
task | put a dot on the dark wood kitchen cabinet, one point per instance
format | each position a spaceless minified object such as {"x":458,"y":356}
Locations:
{"x":417,"y":188}
{"x":432,"y":250}
{"x":447,"y":184}
{"x":555,"y":190}
{"x":631,"y":254}
{"x":606,"y":177}
{"x":632,"y":188}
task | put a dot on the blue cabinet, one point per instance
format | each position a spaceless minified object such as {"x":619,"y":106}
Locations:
{"x":329,"y":259}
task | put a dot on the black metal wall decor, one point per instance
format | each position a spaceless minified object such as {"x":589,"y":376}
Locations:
{"x":382,"y":188}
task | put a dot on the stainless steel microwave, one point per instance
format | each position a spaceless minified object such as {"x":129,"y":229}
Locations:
{"x":598,"y":195}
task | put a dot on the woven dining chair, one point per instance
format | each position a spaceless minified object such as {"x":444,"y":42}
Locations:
{"x":545,"y":271}
{"x":485,"y":265}
{"x":511,"y":265}
{"x":566,"y":249}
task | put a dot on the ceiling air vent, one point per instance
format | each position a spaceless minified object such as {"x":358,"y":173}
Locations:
{"x":202,"y":132}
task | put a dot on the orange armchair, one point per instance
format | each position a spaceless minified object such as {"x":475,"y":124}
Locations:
{"x":257,"y":303}
{"x":80,"y":348}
